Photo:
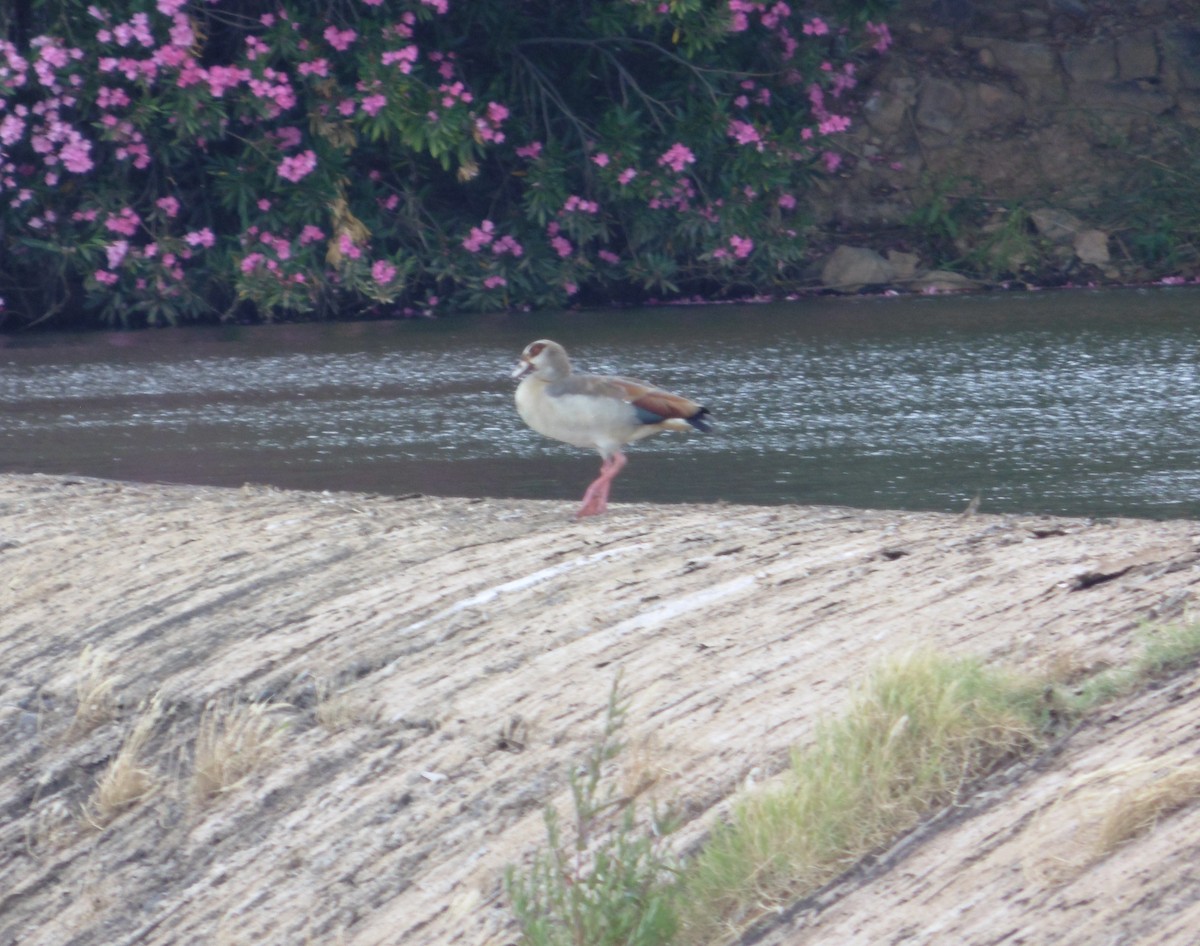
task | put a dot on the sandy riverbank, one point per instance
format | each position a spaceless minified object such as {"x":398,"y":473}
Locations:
{"x":471,"y":646}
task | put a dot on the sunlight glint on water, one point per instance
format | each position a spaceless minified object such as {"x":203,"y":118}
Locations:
{"x":1077,"y":404}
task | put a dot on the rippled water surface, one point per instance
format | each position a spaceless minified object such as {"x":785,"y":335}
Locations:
{"x":1078,"y":403}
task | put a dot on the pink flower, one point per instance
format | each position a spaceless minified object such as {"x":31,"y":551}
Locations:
{"x":479,"y":237}
{"x":832,"y":124}
{"x":609,"y":257}
{"x":816,"y":27}
{"x":562,"y":246}
{"x":317,"y":67}
{"x":289,"y":137}
{"x":263,"y":204}
{"x":677,"y":157}
{"x":373,"y":104}
{"x":200,"y":238}
{"x":12,"y":130}
{"x":627,"y":175}
{"x":575,"y":203}
{"x":883,"y":36}
{"x":741,"y":246}
{"x":168,"y":205}
{"x":311,"y":234}
{"x":787,"y":201}
{"x":105,"y":278}
{"x":111,"y":98}
{"x":297,"y":167}
{"x":255,"y":47}
{"x":531,"y":150}
{"x":494,"y":282}
{"x":745,"y":134}
{"x":348,"y":246}
{"x":383,"y":272}
{"x":222,"y":78}
{"x":251,"y":262}
{"x":76,"y":155}
{"x":507,"y":244}
{"x":125,"y":222}
{"x":115,"y":252}
{"x":339,"y":39}
{"x":832,"y":160}
{"x":402,"y":58}
{"x":600,"y":160}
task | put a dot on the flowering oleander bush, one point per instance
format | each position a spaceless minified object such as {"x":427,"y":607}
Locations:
{"x":178,"y":160}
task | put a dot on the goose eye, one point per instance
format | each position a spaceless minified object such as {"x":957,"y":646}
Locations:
{"x":536,"y":349}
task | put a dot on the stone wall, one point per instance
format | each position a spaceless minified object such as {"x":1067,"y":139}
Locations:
{"x":1046,"y":106}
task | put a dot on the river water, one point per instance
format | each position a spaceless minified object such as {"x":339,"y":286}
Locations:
{"x":1079,"y":403}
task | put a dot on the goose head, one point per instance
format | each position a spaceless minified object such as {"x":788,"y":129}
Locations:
{"x":545,"y":359}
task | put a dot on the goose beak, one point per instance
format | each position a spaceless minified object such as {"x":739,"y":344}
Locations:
{"x":523,"y":368}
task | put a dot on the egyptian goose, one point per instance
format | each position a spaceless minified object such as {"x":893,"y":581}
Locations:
{"x":597,"y":411}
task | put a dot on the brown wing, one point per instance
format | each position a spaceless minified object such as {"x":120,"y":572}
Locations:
{"x":653,"y":405}
{"x":666,"y":404}
{"x":637,"y":393}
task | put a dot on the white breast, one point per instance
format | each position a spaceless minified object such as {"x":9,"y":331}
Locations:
{"x":582,"y":420}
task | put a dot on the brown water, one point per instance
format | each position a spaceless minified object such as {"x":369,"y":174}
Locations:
{"x":1078,"y":402}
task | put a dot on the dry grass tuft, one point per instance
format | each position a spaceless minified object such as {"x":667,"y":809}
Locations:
{"x":126,"y":781}
{"x":1098,"y":812}
{"x":644,"y":766}
{"x":233,"y":740}
{"x":95,"y":687}
{"x":338,"y":710}
{"x":1135,"y":811}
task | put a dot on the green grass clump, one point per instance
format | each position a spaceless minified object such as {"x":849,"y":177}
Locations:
{"x":920,"y":733}
{"x":920,"y":730}
{"x":605,"y":882}
{"x":1166,"y":649}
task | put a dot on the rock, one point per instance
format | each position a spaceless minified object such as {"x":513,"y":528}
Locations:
{"x":904,"y":265}
{"x":1035,"y":22}
{"x":940,"y":106}
{"x":1091,"y":247}
{"x":1027,"y":61}
{"x":943,"y":280}
{"x":1069,"y":12}
{"x":884,"y":112}
{"x":1181,"y":58}
{"x":1095,"y":62}
{"x":1034,"y":65}
{"x":994,"y":104}
{"x":851,"y":268}
{"x":1121,"y":107}
{"x":1137,"y":56}
{"x":1057,"y":226}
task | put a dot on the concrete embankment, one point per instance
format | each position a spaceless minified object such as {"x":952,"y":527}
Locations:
{"x":439,"y":663}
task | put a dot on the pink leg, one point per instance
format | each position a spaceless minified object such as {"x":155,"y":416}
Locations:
{"x":595,"y":500}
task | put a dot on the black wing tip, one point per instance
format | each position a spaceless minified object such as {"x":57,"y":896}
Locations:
{"x":702,"y":420}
